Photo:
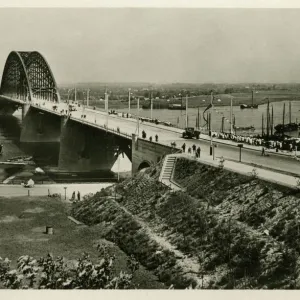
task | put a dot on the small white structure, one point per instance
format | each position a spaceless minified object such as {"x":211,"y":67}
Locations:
{"x":29,"y":184}
{"x":39,"y":171}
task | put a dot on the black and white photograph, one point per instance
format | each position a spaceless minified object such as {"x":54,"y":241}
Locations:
{"x":147,"y":147}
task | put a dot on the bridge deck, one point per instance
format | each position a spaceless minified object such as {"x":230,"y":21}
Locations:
{"x":166,"y":135}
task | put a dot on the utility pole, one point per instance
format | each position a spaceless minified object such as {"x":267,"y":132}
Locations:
{"x":262,"y":125}
{"x":151,"y":105}
{"x":198,"y":117}
{"x":138,"y":116}
{"x":272,"y":127}
{"x":283,"y":115}
{"x":186,"y":111}
{"x":129,"y":101}
{"x":268,"y":121}
{"x":290,"y":112}
{"x":211,"y":135}
{"x":231,"y":115}
{"x":75,"y":98}
{"x":87,"y":97}
{"x":222,"y":130}
{"x":106,"y":108}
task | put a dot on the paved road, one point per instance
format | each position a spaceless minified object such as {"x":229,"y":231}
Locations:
{"x":7,"y":190}
{"x":167,"y":135}
{"x":241,"y":168}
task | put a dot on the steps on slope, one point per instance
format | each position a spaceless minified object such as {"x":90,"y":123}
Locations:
{"x":167,"y":171}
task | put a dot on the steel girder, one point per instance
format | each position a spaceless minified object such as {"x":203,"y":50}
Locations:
{"x":27,"y":76}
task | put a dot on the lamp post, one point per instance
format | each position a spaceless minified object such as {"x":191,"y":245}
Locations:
{"x":231,"y":115}
{"x":240,"y":146}
{"x":186,"y":112}
{"x":211,"y":135}
{"x":65,"y":192}
{"x":138,"y":116}
{"x":129,"y":101}
{"x":106,"y":108}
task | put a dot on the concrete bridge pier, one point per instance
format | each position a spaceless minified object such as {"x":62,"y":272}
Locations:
{"x":86,"y":149}
{"x":39,"y":126}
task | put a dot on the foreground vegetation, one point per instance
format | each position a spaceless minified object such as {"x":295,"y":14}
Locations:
{"x":226,"y":231}
{"x":54,"y":273}
{"x":23,"y":242}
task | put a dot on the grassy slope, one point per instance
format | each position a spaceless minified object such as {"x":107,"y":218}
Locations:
{"x":253,"y":228}
{"x":22,"y":227}
{"x":238,"y":231}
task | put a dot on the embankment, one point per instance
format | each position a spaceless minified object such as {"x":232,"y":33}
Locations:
{"x":225,"y":231}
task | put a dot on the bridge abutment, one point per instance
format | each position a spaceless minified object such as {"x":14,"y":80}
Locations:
{"x":146,"y":153}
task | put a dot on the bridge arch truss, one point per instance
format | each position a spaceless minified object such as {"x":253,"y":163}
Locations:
{"x":27,"y":76}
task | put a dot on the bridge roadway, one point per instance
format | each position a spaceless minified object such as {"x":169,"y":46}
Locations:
{"x":166,"y":135}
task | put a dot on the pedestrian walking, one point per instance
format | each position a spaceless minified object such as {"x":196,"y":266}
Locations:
{"x":183,"y":147}
{"x":263,"y":151}
{"x":156,"y":138}
{"x":78,"y":196}
{"x":194,"y":148}
{"x":189,"y":150}
{"x":150,"y":138}
{"x":73,"y":196}
{"x":198,"y":152}
{"x":144,"y":134}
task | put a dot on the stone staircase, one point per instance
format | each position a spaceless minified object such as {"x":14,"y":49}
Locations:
{"x":166,"y":173}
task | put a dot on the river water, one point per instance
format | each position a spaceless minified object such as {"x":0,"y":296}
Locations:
{"x":45,"y":156}
{"x":243,"y":117}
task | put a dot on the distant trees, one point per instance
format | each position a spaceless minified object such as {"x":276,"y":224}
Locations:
{"x":228,"y":91}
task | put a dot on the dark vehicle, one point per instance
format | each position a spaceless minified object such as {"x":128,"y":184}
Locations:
{"x":190,"y":133}
{"x":72,"y":108}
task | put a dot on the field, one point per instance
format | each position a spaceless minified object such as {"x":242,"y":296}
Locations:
{"x":22,"y":231}
{"x":261,"y":97}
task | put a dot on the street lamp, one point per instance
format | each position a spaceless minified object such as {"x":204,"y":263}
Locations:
{"x":214,"y":150}
{"x":65,"y":192}
{"x":211,"y":135}
{"x":240,"y":146}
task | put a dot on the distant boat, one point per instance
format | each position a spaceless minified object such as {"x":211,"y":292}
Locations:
{"x":176,"y":106}
{"x":243,"y":106}
{"x":252,"y":128}
{"x":286,"y":127}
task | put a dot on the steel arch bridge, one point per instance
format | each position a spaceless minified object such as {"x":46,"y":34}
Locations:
{"x":27,"y":76}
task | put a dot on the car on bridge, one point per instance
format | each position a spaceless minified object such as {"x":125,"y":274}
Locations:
{"x":72,"y":108}
{"x":190,"y":133}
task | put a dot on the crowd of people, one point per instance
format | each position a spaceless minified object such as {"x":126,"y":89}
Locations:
{"x":288,"y":144}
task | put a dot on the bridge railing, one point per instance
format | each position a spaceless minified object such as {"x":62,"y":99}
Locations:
{"x":97,"y":125}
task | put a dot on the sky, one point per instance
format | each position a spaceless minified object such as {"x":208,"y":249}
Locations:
{"x":158,"y":45}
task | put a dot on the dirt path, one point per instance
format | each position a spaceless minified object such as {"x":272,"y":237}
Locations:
{"x":188,"y":265}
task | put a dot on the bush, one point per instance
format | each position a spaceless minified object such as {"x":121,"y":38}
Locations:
{"x":52,"y":273}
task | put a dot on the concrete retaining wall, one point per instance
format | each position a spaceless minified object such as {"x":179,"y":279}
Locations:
{"x":146,"y":153}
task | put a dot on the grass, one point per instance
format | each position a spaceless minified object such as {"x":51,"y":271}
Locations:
{"x":238,"y":99}
{"x":22,"y":231}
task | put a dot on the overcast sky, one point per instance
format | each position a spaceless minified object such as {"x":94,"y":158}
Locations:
{"x":158,"y":45}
